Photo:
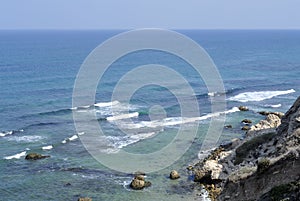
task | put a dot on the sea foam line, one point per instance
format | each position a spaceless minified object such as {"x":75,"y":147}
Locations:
{"x":49,"y":147}
{"x":172,"y":121}
{"x":122,"y":116}
{"x":3,"y":134}
{"x":258,"y":95}
{"x":16,"y":156}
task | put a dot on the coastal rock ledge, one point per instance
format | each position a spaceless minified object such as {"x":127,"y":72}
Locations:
{"x":264,"y":166}
{"x":35,"y":156}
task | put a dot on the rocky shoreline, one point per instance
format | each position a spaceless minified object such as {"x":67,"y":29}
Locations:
{"x":264,"y":166}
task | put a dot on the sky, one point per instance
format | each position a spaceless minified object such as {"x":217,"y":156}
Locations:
{"x":132,"y":14}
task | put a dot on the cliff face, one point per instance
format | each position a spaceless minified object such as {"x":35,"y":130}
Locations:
{"x":277,"y":166}
{"x":265,"y":166}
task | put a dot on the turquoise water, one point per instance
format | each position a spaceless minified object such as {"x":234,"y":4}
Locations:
{"x":260,"y":69}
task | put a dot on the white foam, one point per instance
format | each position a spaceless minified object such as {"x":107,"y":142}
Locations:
{"x":123,"y":141}
{"x":173,"y":121}
{"x":211,"y":94}
{"x":74,"y":137}
{"x":25,"y":138}
{"x":258,"y":95}
{"x":106,"y":104}
{"x":274,"y":106}
{"x":49,"y":147}
{"x":80,"y":133}
{"x":2,"y":134}
{"x":122,"y":116}
{"x":16,"y":156}
{"x":64,"y":141}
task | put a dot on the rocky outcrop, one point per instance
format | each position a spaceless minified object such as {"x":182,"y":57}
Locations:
{"x":35,"y":156}
{"x":266,"y":162}
{"x":174,"y":175}
{"x":266,"y":113}
{"x":268,"y":125}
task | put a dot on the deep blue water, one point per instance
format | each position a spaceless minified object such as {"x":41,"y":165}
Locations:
{"x":260,"y":69}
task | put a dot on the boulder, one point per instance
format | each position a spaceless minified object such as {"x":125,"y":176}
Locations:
{"x":174,"y":175}
{"x":246,"y":121}
{"x":243,"y":108}
{"x":139,"y":182}
{"x":35,"y":156}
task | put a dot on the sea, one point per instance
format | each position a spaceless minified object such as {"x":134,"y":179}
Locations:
{"x":260,"y":69}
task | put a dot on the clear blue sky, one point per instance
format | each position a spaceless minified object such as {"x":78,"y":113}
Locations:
{"x":169,"y":14}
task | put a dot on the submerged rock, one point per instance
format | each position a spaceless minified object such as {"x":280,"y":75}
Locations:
{"x":228,"y":126}
{"x":174,"y":175}
{"x":243,"y":108}
{"x":246,"y":121}
{"x":35,"y":156}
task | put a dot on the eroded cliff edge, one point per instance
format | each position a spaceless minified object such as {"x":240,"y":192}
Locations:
{"x":264,"y":166}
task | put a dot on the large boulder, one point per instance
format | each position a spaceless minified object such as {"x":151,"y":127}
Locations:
{"x":35,"y":156}
{"x":174,"y":175}
{"x":139,"y":182}
{"x":243,"y":108}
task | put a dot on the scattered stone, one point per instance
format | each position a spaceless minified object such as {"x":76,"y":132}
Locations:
{"x":174,"y":175}
{"x":147,"y":184}
{"x":246,"y":121}
{"x":85,"y":199}
{"x":190,"y":167}
{"x":35,"y":156}
{"x":243,"y":108}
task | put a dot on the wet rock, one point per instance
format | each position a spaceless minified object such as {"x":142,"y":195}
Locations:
{"x":139,"y":182}
{"x":84,"y":199}
{"x":243,"y":108}
{"x":35,"y":156}
{"x":174,"y":175}
{"x":266,"y":113}
{"x":228,"y":126}
{"x":147,"y":184}
{"x":246,"y":121}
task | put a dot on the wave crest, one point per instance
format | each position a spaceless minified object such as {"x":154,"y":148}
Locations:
{"x":258,"y":95}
